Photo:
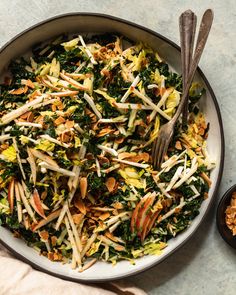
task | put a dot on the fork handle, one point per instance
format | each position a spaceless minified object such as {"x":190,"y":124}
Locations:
{"x":204,"y":30}
{"x":187,"y":28}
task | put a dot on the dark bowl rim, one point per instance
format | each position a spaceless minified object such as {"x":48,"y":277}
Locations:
{"x":221,"y":166}
{"x":222,"y":228}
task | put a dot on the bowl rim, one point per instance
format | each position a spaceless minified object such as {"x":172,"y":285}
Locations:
{"x":221,"y":211}
{"x":221,"y":163}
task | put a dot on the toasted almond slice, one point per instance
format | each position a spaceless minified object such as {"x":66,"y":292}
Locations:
{"x":140,"y":157}
{"x":178,"y":145}
{"x":28,"y":83}
{"x":104,"y":132}
{"x":19,"y":90}
{"x":77,"y":218}
{"x":44,"y":235}
{"x":79,"y":204}
{"x":83,"y":186}
{"x":110,"y":184}
{"x":69,"y":124}
{"x":234,"y":231}
{"x":25,"y":115}
{"x":54,"y":240}
{"x":118,"y":205}
{"x":59,"y":120}
{"x":125,"y":155}
{"x":103,"y":160}
{"x":119,"y":140}
{"x":104,"y":216}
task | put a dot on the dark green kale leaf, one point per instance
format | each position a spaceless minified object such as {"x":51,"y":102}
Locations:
{"x":107,"y":110}
{"x":68,"y":59}
{"x":96,"y":183}
{"x":167,"y":176}
{"x":174,"y":80}
{"x":18,"y":70}
{"x":102,"y":39}
{"x":195,"y":93}
{"x":124,"y":231}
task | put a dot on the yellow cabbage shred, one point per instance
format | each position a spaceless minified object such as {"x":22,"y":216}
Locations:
{"x":24,"y":139}
{"x":154,"y":248}
{"x":10,"y":154}
{"x":45,"y":145}
{"x":94,"y":248}
{"x":70,"y":45}
{"x":132,"y":177}
{"x":172,"y":102}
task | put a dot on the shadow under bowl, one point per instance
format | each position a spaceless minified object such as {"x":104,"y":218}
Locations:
{"x":220,"y":218}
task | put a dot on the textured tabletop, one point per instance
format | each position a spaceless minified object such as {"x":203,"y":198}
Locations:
{"x":205,"y":264}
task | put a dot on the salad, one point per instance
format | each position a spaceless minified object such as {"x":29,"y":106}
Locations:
{"x":78,"y":120}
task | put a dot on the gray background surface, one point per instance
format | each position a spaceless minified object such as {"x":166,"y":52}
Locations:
{"x":205,"y":264}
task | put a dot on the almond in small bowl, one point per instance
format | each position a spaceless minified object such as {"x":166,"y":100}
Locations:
{"x":226,"y":217}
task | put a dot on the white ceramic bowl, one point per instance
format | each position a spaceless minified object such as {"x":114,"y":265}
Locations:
{"x":97,"y":23}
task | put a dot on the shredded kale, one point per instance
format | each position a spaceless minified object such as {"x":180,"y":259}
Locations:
{"x":19,"y":72}
{"x":95,"y":183}
{"x":167,"y":176}
{"x":123,"y":231}
{"x":102,"y":39}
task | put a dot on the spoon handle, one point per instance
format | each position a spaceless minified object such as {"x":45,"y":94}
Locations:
{"x":187,"y":28}
{"x":204,"y":31}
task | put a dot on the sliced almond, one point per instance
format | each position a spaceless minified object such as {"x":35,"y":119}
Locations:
{"x":28,"y":83}
{"x":25,"y":115}
{"x":54,"y":240}
{"x":104,"y":216}
{"x":83,"y":186}
{"x":119,"y":140}
{"x":110,"y":184}
{"x":19,"y":90}
{"x":79,"y":204}
{"x":125,"y":155}
{"x":59,"y":120}
{"x":103,"y":160}
{"x":118,"y":205}
{"x":44,"y":235}
{"x":140,"y":157}
{"x":69,"y":124}
{"x":104,"y":132}
{"x":178,"y":145}
{"x":77,"y":218}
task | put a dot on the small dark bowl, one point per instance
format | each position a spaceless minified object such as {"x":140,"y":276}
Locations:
{"x":220,"y":218}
